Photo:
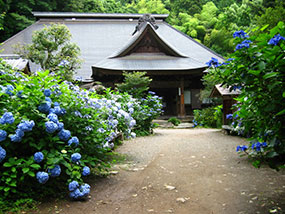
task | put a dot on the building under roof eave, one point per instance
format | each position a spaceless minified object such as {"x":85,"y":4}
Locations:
{"x":112,"y":43}
{"x":16,"y":62}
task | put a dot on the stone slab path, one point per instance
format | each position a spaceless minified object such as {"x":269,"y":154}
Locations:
{"x":183,"y":171}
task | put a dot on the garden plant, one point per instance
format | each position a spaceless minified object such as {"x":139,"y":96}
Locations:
{"x":53,"y":134}
{"x":256,"y":68}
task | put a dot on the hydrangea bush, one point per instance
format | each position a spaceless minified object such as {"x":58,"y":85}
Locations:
{"x":53,"y":132}
{"x":257,"y":69}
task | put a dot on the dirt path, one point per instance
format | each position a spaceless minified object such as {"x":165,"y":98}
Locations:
{"x":208,"y":176}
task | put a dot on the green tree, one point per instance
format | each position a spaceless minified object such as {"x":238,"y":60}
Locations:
{"x":149,"y":6}
{"x":135,"y":83}
{"x":51,"y":49}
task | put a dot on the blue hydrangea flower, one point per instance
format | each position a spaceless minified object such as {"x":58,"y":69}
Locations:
{"x":86,"y":171}
{"x":20,"y":133}
{"x":51,"y":127}
{"x":7,"y":117}
{"x":60,"y":126}
{"x":229,"y":116}
{"x":244,"y":44}
{"x":9,"y":89}
{"x":64,"y":134}
{"x":85,"y":189}
{"x":73,"y":140}
{"x":26,"y":125}
{"x":3,"y":135}
{"x":45,"y":107}
{"x":42,"y":177}
{"x":15,"y":138}
{"x":213,"y":62}
{"x":38,"y":157}
{"x":275,"y":40}
{"x":80,"y":192}
{"x":264,"y":144}
{"x":241,"y":148}
{"x":101,"y":130}
{"x":133,"y":135}
{"x":73,"y":186}
{"x":75,"y":157}
{"x":2,"y":154}
{"x":132,"y":123}
{"x":19,"y":94}
{"x":55,"y":171}
{"x":53,"y":117}
{"x":240,"y":34}
{"x":48,"y":99}
{"x":47,"y":92}
{"x":56,"y":104}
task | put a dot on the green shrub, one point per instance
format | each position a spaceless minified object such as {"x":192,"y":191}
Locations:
{"x":52,"y":132}
{"x":174,"y":121}
{"x":256,"y":68}
{"x":208,"y":117}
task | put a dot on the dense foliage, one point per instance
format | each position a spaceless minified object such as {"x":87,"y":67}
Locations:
{"x":137,"y":85}
{"x":208,"y":117}
{"x":53,"y":134}
{"x":257,"y":69}
{"x":210,"y":22}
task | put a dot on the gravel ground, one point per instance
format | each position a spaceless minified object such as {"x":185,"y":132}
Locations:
{"x":191,"y":171}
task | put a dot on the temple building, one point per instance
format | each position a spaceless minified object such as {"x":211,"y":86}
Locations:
{"x":113,"y":43}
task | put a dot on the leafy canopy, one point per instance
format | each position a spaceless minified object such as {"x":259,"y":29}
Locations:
{"x":51,"y":49}
{"x":135,"y":83}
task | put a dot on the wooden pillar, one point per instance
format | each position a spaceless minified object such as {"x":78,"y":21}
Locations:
{"x":182,"y":104}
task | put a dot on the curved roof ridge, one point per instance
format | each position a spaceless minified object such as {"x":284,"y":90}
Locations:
{"x":137,"y":38}
{"x":39,"y":14}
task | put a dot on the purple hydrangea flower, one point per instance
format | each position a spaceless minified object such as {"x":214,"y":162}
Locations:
{"x":2,"y":154}
{"x":42,"y":177}
{"x":3,"y":135}
{"x":55,"y":171}
{"x":51,"y":127}
{"x":73,"y":140}
{"x":86,"y":171}
{"x":75,"y":157}
{"x":64,"y":134}
{"x":73,"y":186}
{"x":47,"y":92}
{"x":38,"y":157}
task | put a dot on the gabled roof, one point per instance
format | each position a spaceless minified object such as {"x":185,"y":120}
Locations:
{"x":220,"y":90}
{"x":147,"y":29}
{"x":102,"y":36}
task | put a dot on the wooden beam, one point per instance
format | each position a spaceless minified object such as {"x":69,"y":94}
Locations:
{"x":182,"y":104}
